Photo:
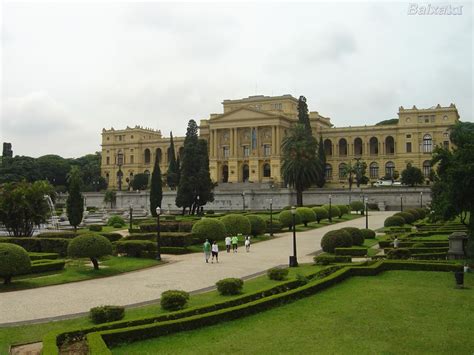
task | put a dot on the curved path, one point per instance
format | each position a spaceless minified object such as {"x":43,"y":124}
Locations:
{"x":186,"y":272}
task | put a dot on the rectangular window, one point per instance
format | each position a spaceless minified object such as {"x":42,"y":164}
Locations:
{"x":408,"y":135}
{"x":225,"y":151}
{"x":267,"y":150}
{"x":246,"y":150}
{"x":408,"y":147}
{"x":131,"y":159}
{"x":120,"y":138}
{"x":108,"y":160}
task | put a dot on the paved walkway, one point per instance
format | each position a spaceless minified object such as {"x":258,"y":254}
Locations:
{"x":186,"y":272}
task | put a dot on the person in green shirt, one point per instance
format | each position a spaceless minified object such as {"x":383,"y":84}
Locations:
{"x":207,"y":250}
{"x":235,"y":240}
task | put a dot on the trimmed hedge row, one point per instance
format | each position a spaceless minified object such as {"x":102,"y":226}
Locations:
{"x":422,"y":250}
{"x":354,"y":251}
{"x":59,"y":234}
{"x":113,"y":237}
{"x":430,"y":256}
{"x":325,"y":259}
{"x":43,"y":265}
{"x":39,"y":256}
{"x":167,"y":239}
{"x":168,"y":226}
{"x":40,"y":245}
{"x":407,"y":244}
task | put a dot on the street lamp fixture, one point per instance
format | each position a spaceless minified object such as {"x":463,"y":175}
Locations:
{"x":401,"y":202}
{"x":243,"y":200}
{"x":271,"y":217}
{"x":119,"y":173}
{"x":293,"y":259}
{"x":198,"y":205}
{"x":366,"y":213}
{"x":330,"y":217}
{"x":131,"y":216}
{"x":421,"y":199}
{"x":158,"y":250}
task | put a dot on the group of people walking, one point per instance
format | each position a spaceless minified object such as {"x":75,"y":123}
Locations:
{"x":211,"y":251}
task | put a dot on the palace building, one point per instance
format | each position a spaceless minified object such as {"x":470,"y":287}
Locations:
{"x":245,"y":142}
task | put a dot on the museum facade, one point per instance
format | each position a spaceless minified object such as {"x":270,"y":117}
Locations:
{"x":245,"y":142}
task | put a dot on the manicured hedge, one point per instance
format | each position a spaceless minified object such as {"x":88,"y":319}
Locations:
{"x":113,"y":237}
{"x":354,"y":251}
{"x":95,"y":228}
{"x":44,"y":265}
{"x":257,"y":225}
{"x":230,"y":286}
{"x":116,"y":220}
{"x":167,"y":239}
{"x":321,"y":213}
{"x":40,"y":245}
{"x":334,"y":211}
{"x":307,"y":215}
{"x":394,"y":221}
{"x":40,"y":256}
{"x":343,"y":209}
{"x":14,"y":260}
{"x":356,"y":235}
{"x":357,"y":206}
{"x":209,"y":228}
{"x":335,"y":239}
{"x":408,"y":217}
{"x":368,"y":233}
{"x":135,"y":248}
{"x":423,"y":250}
{"x":277,"y":273}
{"x":105,"y":314}
{"x":174,"y":250}
{"x":286,"y":218}
{"x":173,"y":300}
{"x":325,"y":259}
{"x":168,"y":226}
{"x":430,"y":256}
{"x":58,"y":234}
{"x":236,"y":224}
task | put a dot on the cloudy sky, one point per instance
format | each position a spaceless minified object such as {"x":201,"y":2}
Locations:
{"x":68,"y":70}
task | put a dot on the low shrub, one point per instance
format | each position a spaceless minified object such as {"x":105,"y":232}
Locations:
{"x":257,"y":225}
{"x":167,"y":239}
{"x":286,"y":218}
{"x":172,"y":250}
{"x":326,"y":259}
{"x":307,"y":215}
{"x":95,"y":228}
{"x":373,"y":207}
{"x":90,"y":246}
{"x":354,"y":251}
{"x":45,"y":265}
{"x":334,"y":211}
{"x":230,"y":286}
{"x":343,"y":209}
{"x":59,"y":234}
{"x":277,"y":274}
{"x":235,"y":224}
{"x":41,"y":256}
{"x":210,"y":212}
{"x":408,"y":217}
{"x":415,"y":213}
{"x":209,"y":228}
{"x":116,"y":221}
{"x":135,"y":248}
{"x":368,"y":233}
{"x":55,"y":245}
{"x":174,"y":300}
{"x":113,"y":237}
{"x":321,"y":213}
{"x":336,"y":239}
{"x":276,"y":226}
{"x":105,"y":314}
{"x":357,"y":206}
{"x":399,"y":253}
{"x":14,"y":260}
{"x":356,"y":235}
{"x":394,"y":221}
{"x":422,"y":212}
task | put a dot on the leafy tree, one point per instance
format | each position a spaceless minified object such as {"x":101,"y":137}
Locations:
{"x":204,"y":184}
{"x":90,"y":168}
{"x":156,"y":188}
{"x":303,"y":114}
{"x":75,"y":201}
{"x":54,"y":169}
{"x":360,"y":168}
{"x":19,"y":168}
{"x":23,"y":206}
{"x":172,"y":176}
{"x":412,"y":176}
{"x":90,"y":246}
{"x":348,"y":171}
{"x":301,"y":167}
{"x":178,"y":170}
{"x":322,"y":159}
{"x":110,"y":196}
{"x":453,"y":190}
{"x":140,"y":182}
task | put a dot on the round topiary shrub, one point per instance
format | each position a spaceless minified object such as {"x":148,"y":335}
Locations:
{"x":415,"y":213}
{"x":105,"y":314}
{"x":116,"y":220}
{"x":95,"y":228}
{"x":357,"y":206}
{"x":236,"y":223}
{"x":394,"y":221}
{"x":307,"y":215}
{"x":286,"y":218}
{"x":336,"y":239}
{"x":343,"y":209}
{"x":229,"y":286}
{"x":321,"y":213}
{"x":14,"y":260}
{"x":421,"y":212}
{"x":356,"y":235}
{"x":209,"y":228}
{"x":399,"y":253}
{"x":277,"y":274}
{"x":334,"y":211}
{"x":408,"y":217}
{"x":368,"y":233}
{"x":90,"y":246}
{"x":257,"y":225}
{"x":174,"y":300}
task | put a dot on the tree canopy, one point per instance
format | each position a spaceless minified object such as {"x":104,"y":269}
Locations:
{"x":412,"y":176}
{"x":172,"y":175}
{"x":75,"y":200}
{"x":156,"y":187}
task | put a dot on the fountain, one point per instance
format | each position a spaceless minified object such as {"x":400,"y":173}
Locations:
{"x":53,"y":221}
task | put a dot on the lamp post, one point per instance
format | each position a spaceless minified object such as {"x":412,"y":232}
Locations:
{"x":421,"y":199}
{"x":131,"y":216}
{"x":293,"y":260}
{"x":401,"y":202}
{"x":366,"y":213}
{"x":330,"y":217}
{"x":271,"y":217}
{"x":158,"y":250}
{"x":243,"y":200}
{"x":119,"y":173}
{"x":198,"y":206}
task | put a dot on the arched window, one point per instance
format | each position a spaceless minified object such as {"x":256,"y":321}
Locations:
{"x":389,"y":145}
{"x":107,"y":177}
{"x":358,"y":146}
{"x":342,"y":147}
{"x":147,"y":156}
{"x":245,"y":173}
{"x":374,"y":146}
{"x":427,"y":144}
{"x":328,"y":147}
{"x":426,"y":168}
{"x":267,"y":172}
{"x":159,"y":154}
{"x":342,"y":170}
{"x":328,"y":171}
{"x":389,"y":169}
{"x":374,"y":170}
{"x":225,"y":173}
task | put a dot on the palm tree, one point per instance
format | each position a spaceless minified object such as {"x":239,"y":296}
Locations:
{"x":301,"y":167}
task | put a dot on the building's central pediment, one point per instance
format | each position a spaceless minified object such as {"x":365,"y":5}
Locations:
{"x":243,"y":114}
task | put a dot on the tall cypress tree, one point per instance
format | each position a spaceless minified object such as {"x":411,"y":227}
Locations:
{"x":322,"y":158}
{"x":75,"y":201}
{"x":156,"y":189}
{"x":204,"y":183}
{"x":178,"y":170}
{"x":172,"y":176}
{"x":303,"y":114}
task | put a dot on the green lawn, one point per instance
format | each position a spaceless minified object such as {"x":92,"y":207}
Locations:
{"x":78,"y":270}
{"x":397,"y":312}
{"x":35,"y":332}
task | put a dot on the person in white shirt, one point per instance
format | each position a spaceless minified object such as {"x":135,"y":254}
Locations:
{"x":247,"y":243}
{"x":215,"y":251}
{"x":228,"y":241}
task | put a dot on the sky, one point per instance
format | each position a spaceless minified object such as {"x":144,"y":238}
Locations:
{"x":71,"y":69}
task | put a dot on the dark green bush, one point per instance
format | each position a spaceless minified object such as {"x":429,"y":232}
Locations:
{"x":356,"y":235}
{"x":336,"y":239}
{"x":45,"y":265}
{"x":321,"y":213}
{"x":235,"y":224}
{"x":210,"y":212}
{"x":14,"y":260}
{"x":399,"y":253}
{"x":105,"y":314}
{"x":276,"y":225}
{"x":209,"y":228}
{"x":58,"y":234}
{"x":277,"y":274}
{"x":326,"y":259}
{"x":408,"y":217}
{"x":354,"y":251}
{"x":115,"y":220}
{"x":357,"y":206}
{"x":41,"y":256}
{"x":135,"y":248}
{"x":286,"y":218}
{"x":307,"y":215}
{"x":373,"y":207}
{"x":343,"y":209}
{"x":257,"y":225}
{"x":421,"y":212}
{"x":394,"y":221}
{"x":95,"y":228}
{"x":368,"y":233}
{"x":90,"y":246}
{"x":113,"y":237}
{"x":174,"y":300}
{"x":230,"y":286}
{"x":414,"y":212}
{"x":55,"y":245}
{"x":334,"y":211}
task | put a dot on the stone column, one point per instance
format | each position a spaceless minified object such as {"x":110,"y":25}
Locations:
{"x":236,"y":142}
{"x":273,"y":140}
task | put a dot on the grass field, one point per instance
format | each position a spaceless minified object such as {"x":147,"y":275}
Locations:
{"x":397,"y":312}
